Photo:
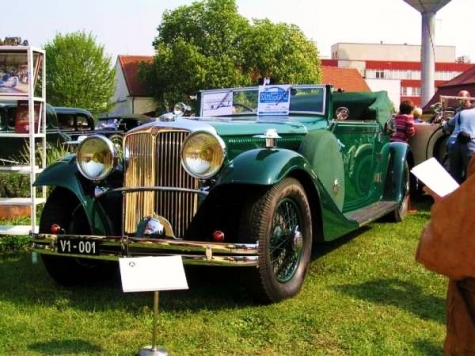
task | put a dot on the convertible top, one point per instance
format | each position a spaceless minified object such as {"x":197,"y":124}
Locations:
{"x":365,"y":105}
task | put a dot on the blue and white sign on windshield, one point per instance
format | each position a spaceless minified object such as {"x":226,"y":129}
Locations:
{"x":274,"y":100}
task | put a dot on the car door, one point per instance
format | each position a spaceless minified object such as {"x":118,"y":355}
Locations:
{"x":360,"y":147}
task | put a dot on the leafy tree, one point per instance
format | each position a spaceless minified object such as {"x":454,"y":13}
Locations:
{"x":281,"y":52}
{"x":78,"y":73}
{"x":209,"y":45}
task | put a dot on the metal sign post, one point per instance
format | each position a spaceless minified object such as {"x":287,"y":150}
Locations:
{"x":153,"y":350}
{"x":152,"y":274}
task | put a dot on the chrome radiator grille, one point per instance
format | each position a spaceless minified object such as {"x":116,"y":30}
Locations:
{"x":154,"y":161}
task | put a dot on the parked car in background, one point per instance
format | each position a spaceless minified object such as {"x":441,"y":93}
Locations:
{"x":253,"y":181}
{"x":64,"y":126}
{"x":430,"y":140}
{"x":122,"y":123}
{"x":12,"y":147}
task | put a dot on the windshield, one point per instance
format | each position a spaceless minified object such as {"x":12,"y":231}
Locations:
{"x":263,"y":100}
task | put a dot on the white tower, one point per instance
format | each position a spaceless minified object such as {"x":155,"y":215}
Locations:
{"x":428,"y":9}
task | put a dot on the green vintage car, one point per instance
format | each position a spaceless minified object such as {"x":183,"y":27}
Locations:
{"x":253,"y":180}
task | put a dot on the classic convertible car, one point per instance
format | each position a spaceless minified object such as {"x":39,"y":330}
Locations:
{"x":430,"y":140}
{"x":252,"y":181}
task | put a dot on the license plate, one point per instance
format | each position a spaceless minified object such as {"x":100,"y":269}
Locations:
{"x":78,"y":247}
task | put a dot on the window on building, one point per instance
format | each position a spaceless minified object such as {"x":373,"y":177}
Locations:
{"x":403,"y":91}
{"x":379,"y":74}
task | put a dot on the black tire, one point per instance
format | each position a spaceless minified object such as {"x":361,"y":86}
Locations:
{"x":63,"y":208}
{"x":280,"y":221}
{"x":401,"y":211}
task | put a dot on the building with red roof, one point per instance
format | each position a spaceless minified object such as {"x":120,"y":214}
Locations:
{"x":131,"y":95}
{"x":347,"y":79}
{"x":397,"y":67}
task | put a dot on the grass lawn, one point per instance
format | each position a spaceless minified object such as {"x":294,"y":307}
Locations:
{"x":364,"y":295}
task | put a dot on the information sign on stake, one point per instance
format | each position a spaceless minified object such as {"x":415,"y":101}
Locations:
{"x":152,"y":274}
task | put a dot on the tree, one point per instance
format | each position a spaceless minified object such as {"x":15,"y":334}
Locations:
{"x":78,"y":73}
{"x":209,"y":45}
{"x":281,"y":52}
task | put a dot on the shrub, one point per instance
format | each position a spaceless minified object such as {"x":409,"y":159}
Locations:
{"x":18,"y":185}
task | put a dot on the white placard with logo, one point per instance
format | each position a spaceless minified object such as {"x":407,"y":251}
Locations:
{"x":152,"y":273}
{"x":217,"y":104}
{"x":274,"y":100}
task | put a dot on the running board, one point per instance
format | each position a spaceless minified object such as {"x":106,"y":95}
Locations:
{"x":372,"y":212}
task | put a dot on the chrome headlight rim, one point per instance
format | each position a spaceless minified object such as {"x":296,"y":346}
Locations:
{"x":108,"y":165}
{"x":220,"y":155}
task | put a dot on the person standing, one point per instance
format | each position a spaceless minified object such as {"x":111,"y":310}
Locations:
{"x":463,"y":101}
{"x":417,"y":114}
{"x":404,"y":122}
{"x":461,"y":142}
{"x":446,"y":246}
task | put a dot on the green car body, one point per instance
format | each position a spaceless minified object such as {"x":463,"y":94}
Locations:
{"x":240,"y":184}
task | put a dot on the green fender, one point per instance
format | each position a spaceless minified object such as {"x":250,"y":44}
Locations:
{"x":263,"y":167}
{"x":64,"y":173}
{"x":399,"y":152}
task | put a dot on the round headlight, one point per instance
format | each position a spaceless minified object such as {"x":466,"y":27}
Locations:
{"x":96,"y":157}
{"x":203,"y":154}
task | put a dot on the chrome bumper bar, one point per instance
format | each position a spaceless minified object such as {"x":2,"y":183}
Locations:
{"x":112,"y":248}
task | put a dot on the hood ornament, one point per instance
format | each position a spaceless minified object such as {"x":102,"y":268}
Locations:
{"x":180,"y":109}
{"x":270,"y":135}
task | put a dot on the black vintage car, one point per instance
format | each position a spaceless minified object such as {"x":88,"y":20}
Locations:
{"x":64,"y":126}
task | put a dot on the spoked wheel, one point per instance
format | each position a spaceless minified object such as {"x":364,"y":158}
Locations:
{"x":280,"y":221}
{"x":63,"y":209}
{"x":401,"y":210}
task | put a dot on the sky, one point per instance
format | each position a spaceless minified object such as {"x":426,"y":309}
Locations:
{"x":130,"y":26}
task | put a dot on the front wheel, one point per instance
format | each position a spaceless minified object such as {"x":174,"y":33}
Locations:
{"x":62,"y":208}
{"x":280,"y":221}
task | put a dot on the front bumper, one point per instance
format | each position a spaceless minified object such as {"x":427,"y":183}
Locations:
{"x":111,"y":248}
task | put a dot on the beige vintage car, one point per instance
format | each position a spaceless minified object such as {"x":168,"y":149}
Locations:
{"x":429,"y":140}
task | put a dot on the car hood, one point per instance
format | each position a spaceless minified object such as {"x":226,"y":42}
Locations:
{"x":227,"y":126}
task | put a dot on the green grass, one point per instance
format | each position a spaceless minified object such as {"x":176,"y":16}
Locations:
{"x":364,"y":295}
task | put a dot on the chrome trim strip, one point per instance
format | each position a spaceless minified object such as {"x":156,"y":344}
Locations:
{"x":192,"y":252}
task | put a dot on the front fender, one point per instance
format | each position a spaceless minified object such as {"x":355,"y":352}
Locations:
{"x":64,"y":174}
{"x":399,"y":153}
{"x":263,"y":167}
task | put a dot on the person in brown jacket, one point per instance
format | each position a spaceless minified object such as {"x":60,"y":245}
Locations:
{"x":447,"y":246}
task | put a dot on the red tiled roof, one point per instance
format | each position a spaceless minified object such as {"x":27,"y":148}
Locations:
{"x":467,"y":77}
{"x":348,"y":79}
{"x":130,"y":67}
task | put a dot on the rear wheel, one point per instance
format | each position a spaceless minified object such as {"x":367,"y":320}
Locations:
{"x":280,"y":221}
{"x":63,"y":208}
